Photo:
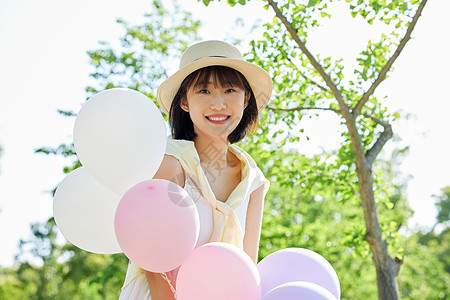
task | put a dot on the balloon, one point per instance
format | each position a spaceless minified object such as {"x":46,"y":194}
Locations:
{"x":218,"y":271}
{"x":299,"y":290}
{"x":157,"y":225}
{"x":120,"y":138}
{"x":84,"y":213}
{"x":296,"y":264}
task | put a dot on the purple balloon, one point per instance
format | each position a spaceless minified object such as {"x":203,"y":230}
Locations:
{"x":297,"y":264}
{"x":299,"y":290}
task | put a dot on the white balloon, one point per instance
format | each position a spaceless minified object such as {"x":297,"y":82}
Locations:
{"x":120,"y":138}
{"x":84,"y":212}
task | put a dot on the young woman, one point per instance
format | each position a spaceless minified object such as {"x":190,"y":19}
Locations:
{"x":212,"y":101}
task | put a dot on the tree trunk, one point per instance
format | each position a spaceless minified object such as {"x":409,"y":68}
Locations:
{"x":386,"y":267}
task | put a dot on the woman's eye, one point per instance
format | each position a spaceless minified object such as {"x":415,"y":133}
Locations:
{"x":230,"y":91}
{"x":203,"y":91}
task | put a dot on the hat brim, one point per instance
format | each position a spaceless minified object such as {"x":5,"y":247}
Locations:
{"x":259,"y":80}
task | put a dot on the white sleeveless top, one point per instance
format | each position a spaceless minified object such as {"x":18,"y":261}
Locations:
{"x":219,"y":221}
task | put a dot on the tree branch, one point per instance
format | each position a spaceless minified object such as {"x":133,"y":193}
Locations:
{"x":357,"y":109}
{"x":304,"y":108}
{"x":308,"y":79}
{"x":373,"y":152}
{"x":293,"y":32}
{"x":378,"y":121}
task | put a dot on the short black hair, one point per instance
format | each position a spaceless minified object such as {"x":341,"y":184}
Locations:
{"x":180,"y":120}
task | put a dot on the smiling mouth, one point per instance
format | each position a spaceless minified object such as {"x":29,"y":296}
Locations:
{"x":218,"y":120}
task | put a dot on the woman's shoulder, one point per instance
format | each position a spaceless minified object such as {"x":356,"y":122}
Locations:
{"x":178,"y":146}
{"x":170,"y":161}
{"x":171,"y":169}
{"x":252,"y":170}
{"x":243,"y":155}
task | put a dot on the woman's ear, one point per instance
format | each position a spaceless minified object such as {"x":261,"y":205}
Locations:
{"x":183,"y":105}
{"x":247,"y":98}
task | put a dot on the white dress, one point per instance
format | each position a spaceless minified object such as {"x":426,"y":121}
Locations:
{"x":136,"y":285}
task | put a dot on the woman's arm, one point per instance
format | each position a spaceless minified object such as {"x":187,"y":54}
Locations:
{"x":171,"y":170}
{"x":159,"y":288}
{"x":253,"y":223}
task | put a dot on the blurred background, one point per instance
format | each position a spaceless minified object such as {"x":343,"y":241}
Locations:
{"x":44,"y":78}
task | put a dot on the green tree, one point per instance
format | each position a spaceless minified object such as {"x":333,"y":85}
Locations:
{"x":304,"y":81}
{"x":428,"y":259}
{"x":443,"y":207}
{"x":146,"y":51}
{"x":308,"y":206}
{"x":141,"y":60}
{"x":313,"y":202}
{"x":10,"y":287}
{"x":45,"y":269}
{"x":139,"y":63}
{"x":429,"y":255}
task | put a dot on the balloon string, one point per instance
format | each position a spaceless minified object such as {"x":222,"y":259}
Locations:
{"x":174,"y":292}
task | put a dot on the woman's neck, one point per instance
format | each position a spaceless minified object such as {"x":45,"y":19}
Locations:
{"x":213,"y":152}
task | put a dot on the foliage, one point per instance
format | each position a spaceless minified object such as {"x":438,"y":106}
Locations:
{"x":146,"y":51}
{"x":308,"y":206}
{"x":141,"y":60}
{"x":313,"y":201}
{"x":428,"y":257}
{"x":47,"y":270}
{"x":443,"y":207}
{"x":307,"y":81}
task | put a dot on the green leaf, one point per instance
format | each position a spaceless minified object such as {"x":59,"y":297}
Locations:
{"x":315,"y":197}
{"x":313,"y":2}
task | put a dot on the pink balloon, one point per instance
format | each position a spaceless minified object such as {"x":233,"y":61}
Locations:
{"x":218,"y":271}
{"x":296,"y":264}
{"x":157,"y":225}
{"x":299,"y":290}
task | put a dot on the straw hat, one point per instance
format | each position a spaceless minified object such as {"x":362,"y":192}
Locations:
{"x":215,"y":53}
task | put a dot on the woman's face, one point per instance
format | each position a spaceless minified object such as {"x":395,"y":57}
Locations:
{"x":215,"y":110}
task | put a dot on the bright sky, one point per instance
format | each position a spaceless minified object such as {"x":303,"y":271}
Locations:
{"x":44,"y":67}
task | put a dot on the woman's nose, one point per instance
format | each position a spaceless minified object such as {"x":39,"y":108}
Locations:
{"x":218,"y":102}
